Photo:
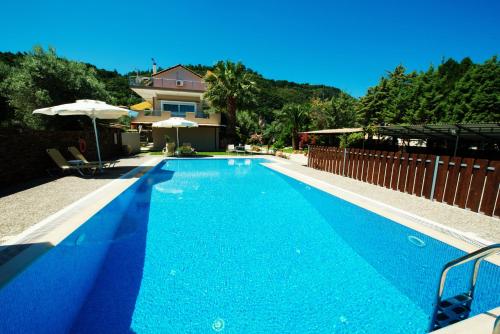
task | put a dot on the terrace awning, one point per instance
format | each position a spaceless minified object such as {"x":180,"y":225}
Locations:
{"x":335,"y":131}
{"x":142,"y":106}
{"x":479,"y":131}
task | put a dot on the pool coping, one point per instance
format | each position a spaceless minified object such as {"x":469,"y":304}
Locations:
{"x":49,"y":232}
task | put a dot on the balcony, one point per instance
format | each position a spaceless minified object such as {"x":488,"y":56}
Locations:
{"x":151,"y":116}
{"x":164,"y":83}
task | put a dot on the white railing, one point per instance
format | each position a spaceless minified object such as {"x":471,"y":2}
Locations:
{"x":139,"y":81}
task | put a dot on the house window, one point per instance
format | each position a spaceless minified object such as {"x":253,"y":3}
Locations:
{"x":178,"y":109}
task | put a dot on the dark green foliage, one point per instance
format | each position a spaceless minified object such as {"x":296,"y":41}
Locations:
{"x":293,"y":117}
{"x":117,"y":86}
{"x":41,"y":79}
{"x":231,"y":88}
{"x":453,"y":93}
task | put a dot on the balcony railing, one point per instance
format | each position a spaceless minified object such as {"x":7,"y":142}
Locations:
{"x":138,"y":81}
{"x":197,"y":114}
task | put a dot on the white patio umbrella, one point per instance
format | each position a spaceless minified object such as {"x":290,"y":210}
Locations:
{"x":175,"y":122}
{"x":91,"y":108}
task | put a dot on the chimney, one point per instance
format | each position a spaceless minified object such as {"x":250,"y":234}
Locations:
{"x":154,"y":66}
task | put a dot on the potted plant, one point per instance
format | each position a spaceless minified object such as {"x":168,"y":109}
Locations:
{"x":169,"y":149}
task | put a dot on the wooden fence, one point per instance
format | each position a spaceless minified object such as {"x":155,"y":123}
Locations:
{"x":468,"y":183}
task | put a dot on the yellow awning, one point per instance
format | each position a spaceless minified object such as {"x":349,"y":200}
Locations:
{"x":142,"y":106}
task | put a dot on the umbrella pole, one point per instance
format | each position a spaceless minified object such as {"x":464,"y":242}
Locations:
{"x":97,"y":142}
{"x":177,"y":137}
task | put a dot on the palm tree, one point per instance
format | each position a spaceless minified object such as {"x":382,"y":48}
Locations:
{"x":294,"y":116}
{"x":230,"y":87}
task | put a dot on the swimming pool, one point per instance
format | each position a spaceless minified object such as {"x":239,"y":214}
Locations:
{"x":231,"y":246}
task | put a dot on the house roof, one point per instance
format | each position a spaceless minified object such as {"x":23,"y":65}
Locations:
{"x":178,"y":65}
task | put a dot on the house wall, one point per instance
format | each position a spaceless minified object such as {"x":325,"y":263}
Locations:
{"x":133,"y":140}
{"x":168,"y":79}
{"x":204,"y":138}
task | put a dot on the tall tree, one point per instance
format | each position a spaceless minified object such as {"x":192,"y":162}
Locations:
{"x":372,"y":105}
{"x":230,"y":88}
{"x":43,"y":79}
{"x":293,"y":117}
{"x":476,"y":97}
{"x":338,"y":112}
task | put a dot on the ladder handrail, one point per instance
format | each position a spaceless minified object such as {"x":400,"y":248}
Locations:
{"x":478,"y":255}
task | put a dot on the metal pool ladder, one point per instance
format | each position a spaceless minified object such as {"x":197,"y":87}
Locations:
{"x":455,"y":309}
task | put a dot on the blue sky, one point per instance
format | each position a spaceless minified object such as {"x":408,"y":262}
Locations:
{"x":347,"y":44}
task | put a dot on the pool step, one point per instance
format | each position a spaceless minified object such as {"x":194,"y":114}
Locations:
{"x":452,"y":310}
{"x":455,"y":309}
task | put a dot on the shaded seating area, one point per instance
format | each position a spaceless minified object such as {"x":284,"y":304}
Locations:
{"x":71,"y":165}
{"x":79,"y":156}
{"x":248,"y":149}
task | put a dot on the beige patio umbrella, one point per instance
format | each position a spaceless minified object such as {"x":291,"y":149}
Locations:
{"x":91,"y":108}
{"x":175,"y":122}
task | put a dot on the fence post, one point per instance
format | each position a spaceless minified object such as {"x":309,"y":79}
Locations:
{"x":343,"y":162}
{"x":434,"y":177}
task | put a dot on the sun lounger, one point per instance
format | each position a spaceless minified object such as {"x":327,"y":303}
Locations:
{"x":230,"y":149}
{"x":78,"y":155}
{"x":239,"y":149}
{"x":65,"y":166}
{"x":248,"y":149}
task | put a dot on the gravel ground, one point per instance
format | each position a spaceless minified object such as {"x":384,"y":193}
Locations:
{"x":26,"y":204}
{"x":464,"y":220}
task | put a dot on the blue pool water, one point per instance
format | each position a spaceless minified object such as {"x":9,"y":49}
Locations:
{"x":230,"y":246}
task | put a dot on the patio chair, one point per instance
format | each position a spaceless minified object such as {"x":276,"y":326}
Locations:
{"x":65,"y":166}
{"x":239,"y":149}
{"x":79,"y":156}
{"x":230,"y":149}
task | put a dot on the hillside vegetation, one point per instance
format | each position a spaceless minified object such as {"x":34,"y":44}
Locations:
{"x":453,"y":91}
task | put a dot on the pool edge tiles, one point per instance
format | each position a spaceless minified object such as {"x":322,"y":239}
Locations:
{"x":49,"y":232}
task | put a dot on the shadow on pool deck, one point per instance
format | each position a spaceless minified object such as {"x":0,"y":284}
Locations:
{"x":107,"y":173}
{"x":110,"y":305}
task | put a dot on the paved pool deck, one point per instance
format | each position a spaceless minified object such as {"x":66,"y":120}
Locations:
{"x":27,"y":204}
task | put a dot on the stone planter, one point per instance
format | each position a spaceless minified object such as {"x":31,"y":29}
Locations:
{"x":169,"y":149}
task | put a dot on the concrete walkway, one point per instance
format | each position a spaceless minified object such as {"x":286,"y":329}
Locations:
{"x":26,"y":204}
{"x":474,"y":224}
